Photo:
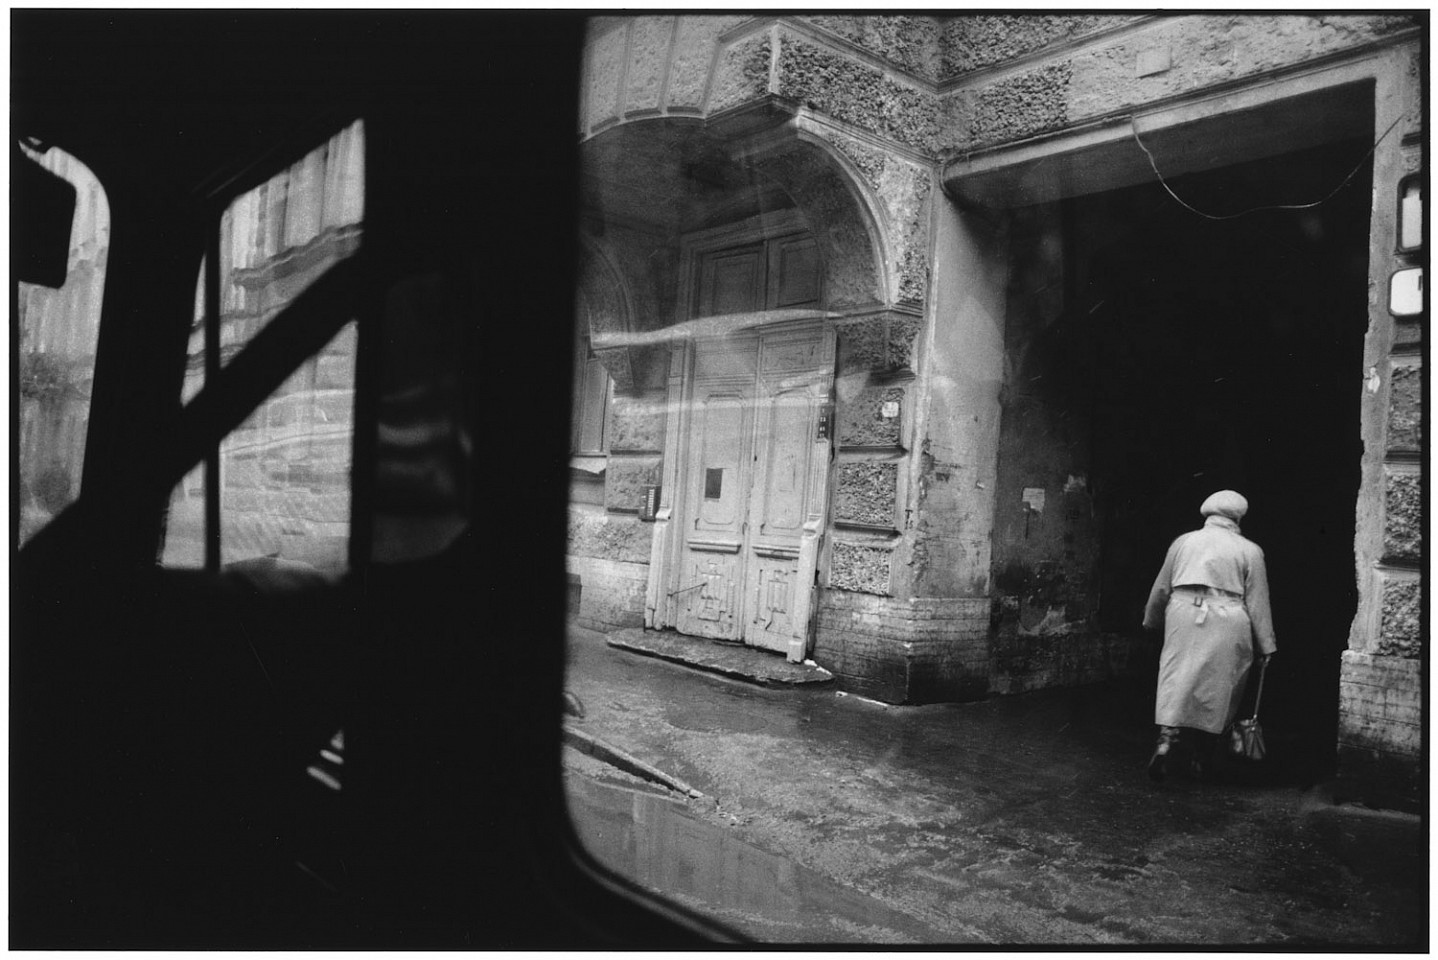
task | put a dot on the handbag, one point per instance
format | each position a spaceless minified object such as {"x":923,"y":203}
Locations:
{"x":1245,"y":737}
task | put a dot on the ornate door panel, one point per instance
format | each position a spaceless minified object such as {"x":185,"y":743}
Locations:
{"x":777,"y":517}
{"x":708,"y":600}
{"x":786,"y":507}
{"x":737,"y":548}
{"x":731,"y":281}
{"x":754,"y":491}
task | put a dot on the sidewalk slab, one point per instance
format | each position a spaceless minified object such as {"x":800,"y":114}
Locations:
{"x":729,"y":659}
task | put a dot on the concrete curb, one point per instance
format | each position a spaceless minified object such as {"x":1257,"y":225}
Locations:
{"x":727,"y":660}
{"x":597,"y":748}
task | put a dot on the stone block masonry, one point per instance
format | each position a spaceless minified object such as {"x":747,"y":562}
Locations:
{"x":1380,"y":732}
{"x":1405,"y":412}
{"x":866,"y":493}
{"x":626,"y":479}
{"x":904,"y":651}
{"x":611,"y":593}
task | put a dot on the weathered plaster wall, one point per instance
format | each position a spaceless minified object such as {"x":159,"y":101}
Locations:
{"x":906,"y":615}
{"x":1167,"y":57}
{"x":693,"y":52}
{"x":646,"y":65}
{"x":742,"y":74}
{"x":1046,"y":537}
{"x":959,"y":416}
{"x":977,"y":41}
{"x":1380,"y":695}
{"x":912,"y":44}
{"x":611,"y":593}
{"x":601,"y":535}
{"x":636,"y":424}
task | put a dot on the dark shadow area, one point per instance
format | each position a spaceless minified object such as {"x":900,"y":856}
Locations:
{"x":162,"y":720}
{"x":1227,"y":354}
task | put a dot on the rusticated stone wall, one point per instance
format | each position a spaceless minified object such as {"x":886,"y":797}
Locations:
{"x":866,"y":493}
{"x":938,"y":84}
{"x":908,"y":43}
{"x":860,"y":567}
{"x":850,"y":90}
{"x":872,"y":417}
{"x":974,"y":42}
{"x":1155,"y":59}
{"x":1405,"y":409}
{"x":608,"y":549}
{"x":636,"y":424}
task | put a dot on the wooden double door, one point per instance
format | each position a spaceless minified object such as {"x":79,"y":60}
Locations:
{"x":754,"y":487}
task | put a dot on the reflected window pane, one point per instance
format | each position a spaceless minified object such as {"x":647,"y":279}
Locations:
{"x":285,"y":472}
{"x":58,"y":332}
{"x":284,"y":489}
{"x":184,"y":543}
{"x":280,"y":237}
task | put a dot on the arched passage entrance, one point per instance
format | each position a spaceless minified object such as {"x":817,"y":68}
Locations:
{"x":744,"y":251}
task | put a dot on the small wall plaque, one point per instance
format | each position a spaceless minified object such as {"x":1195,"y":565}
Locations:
{"x":1034,"y":499}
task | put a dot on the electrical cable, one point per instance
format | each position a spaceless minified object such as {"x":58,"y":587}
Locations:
{"x":1281,"y":206}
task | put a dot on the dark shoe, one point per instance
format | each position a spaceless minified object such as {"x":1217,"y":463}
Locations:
{"x":1158,"y":763}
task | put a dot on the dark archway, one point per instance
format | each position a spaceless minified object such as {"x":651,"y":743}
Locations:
{"x":1228,"y":354}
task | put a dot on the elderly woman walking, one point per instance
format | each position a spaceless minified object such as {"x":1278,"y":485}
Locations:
{"x":1211,"y":598}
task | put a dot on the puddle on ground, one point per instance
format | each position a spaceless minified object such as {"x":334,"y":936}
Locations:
{"x":654,"y":841}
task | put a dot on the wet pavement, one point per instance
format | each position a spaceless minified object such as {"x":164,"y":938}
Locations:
{"x":1021,"y":820}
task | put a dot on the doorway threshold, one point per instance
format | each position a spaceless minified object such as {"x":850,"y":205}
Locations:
{"x":739,"y":662}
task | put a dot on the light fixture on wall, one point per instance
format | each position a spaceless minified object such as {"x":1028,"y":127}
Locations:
{"x":1410,"y":213}
{"x":1405,"y":292}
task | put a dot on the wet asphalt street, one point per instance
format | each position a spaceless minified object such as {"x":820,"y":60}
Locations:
{"x":1023,"y":820}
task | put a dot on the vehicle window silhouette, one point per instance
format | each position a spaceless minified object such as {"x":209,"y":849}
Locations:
{"x":59,"y":328}
{"x":284,"y":474}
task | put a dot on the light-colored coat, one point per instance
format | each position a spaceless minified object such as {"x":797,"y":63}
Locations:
{"x":1208,"y":641}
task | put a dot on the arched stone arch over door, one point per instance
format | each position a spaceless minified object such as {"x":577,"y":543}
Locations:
{"x":748,"y":528}
{"x":648,"y":174}
{"x":603,"y":306}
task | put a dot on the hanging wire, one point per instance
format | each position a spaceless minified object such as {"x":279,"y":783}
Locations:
{"x":1280,"y":206}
